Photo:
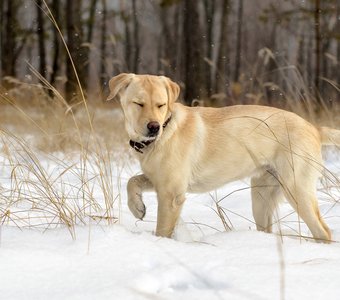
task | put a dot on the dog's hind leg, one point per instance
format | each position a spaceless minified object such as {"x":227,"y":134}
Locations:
{"x":302,"y":197}
{"x":135,"y":187}
{"x":299,"y":187}
{"x":266,"y":193}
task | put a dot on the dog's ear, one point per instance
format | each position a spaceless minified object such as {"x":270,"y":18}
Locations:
{"x":118,"y":84}
{"x":173,"y":90}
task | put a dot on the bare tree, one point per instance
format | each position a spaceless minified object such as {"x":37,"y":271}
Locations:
{"x":168,"y":43}
{"x":103,"y":75}
{"x":13,"y":38}
{"x":127,"y":36}
{"x":193,"y":77}
{"x":2,"y":34}
{"x":9,"y":37}
{"x":337,"y":28}
{"x":88,"y":41}
{"x":309,"y":61}
{"x":136,"y":48}
{"x":56,"y":42}
{"x":91,"y":20}
{"x":74,"y":43}
{"x":317,"y":30}
{"x":238,"y":41}
{"x":222,"y":57}
{"x":41,"y":38}
{"x":301,"y":55}
{"x":178,"y":67}
{"x":209,"y":8}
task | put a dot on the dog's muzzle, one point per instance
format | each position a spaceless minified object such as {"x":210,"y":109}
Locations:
{"x":153,"y":128}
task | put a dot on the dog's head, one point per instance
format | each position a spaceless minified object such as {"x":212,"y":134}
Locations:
{"x":147,"y":103}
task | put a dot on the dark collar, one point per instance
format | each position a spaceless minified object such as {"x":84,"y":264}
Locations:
{"x":138,"y":146}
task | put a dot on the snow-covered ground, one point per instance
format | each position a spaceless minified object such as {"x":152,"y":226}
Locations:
{"x":126,"y":261}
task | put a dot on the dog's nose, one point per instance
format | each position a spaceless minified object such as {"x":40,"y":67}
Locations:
{"x":153,"y":128}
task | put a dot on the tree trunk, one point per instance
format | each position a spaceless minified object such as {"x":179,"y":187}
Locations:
{"x":41,"y":39}
{"x":161,"y":56}
{"x":127,"y":43}
{"x":136,"y":50}
{"x":162,"y":53}
{"x":91,"y":21}
{"x":222,"y":58}
{"x":166,"y":46}
{"x":194,"y":87}
{"x":87,"y":48}
{"x":238,"y":41}
{"x":324,"y":86}
{"x":209,"y":6}
{"x":74,"y":43}
{"x":317,"y":11}
{"x":103,"y":75}
{"x":56,"y":42}
{"x":2,"y":35}
{"x":8,"y":60}
{"x":178,"y":65}
{"x":338,"y":41}
{"x":301,"y":53}
{"x":309,"y":61}
{"x":170,"y":41}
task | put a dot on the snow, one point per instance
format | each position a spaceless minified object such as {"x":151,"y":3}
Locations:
{"x":127,"y":261}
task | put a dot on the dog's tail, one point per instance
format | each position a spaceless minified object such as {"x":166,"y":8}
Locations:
{"x":330,"y":136}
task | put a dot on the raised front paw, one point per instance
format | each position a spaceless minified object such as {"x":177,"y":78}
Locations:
{"x":137,"y":206}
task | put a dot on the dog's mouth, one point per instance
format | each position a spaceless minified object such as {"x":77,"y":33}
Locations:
{"x":141,"y":136}
{"x":150,"y":138}
{"x":144,"y":137}
{"x":141,"y":143}
{"x":152,"y":135}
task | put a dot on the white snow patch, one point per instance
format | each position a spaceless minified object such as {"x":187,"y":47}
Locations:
{"x":126,"y":261}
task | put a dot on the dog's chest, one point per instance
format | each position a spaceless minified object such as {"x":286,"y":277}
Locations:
{"x":163,"y":168}
{"x":152,"y":166}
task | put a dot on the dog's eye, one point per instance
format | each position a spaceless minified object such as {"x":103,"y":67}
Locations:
{"x":139,"y":104}
{"x":161,"y":105}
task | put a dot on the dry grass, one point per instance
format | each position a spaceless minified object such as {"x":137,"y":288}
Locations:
{"x":82,"y":142}
{"x":27,"y":110}
{"x":61,"y":166}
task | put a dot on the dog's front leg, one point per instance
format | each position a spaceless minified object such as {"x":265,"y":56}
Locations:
{"x":135,"y":187}
{"x":169,"y":209}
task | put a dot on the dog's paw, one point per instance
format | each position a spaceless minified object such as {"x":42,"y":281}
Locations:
{"x":137,"y":206}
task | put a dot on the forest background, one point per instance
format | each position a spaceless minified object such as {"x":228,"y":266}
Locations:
{"x":222,"y":52}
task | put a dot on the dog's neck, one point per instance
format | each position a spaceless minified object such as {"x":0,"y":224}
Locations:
{"x":138,"y":146}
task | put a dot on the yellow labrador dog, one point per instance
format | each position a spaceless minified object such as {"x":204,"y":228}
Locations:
{"x":194,"y":149}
